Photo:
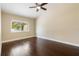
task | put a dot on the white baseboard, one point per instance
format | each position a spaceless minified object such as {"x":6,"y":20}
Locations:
{"x":16,"y":39}
{"x":43,"y":38}
{"x":73,"y":44}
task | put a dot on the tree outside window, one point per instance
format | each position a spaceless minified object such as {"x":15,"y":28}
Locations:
{"x":19,"y":26}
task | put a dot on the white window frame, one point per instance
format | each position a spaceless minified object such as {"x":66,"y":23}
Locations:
{"x":20,"y":22}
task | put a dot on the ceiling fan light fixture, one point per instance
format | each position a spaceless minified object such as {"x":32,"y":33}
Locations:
{"x":38,"y":7}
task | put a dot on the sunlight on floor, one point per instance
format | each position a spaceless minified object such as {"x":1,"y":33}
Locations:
{"x":21,"y":50}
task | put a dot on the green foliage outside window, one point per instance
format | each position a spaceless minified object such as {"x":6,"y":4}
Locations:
{"x":18,"y":26}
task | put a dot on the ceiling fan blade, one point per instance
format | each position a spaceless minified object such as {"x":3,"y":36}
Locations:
{"x":43,"y":4}
{"x":43,"y":8}
{"x":33,"y":7}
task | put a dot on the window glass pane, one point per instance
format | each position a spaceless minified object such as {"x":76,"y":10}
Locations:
{"x":19,"y":26}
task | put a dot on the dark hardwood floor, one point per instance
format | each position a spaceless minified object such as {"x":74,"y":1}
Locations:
{"x":38,"y":47}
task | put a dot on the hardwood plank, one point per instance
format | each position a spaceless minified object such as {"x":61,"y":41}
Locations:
{"x":38,"y":47}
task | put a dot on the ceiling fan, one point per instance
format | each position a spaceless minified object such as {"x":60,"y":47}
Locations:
{"x":39,"y":6}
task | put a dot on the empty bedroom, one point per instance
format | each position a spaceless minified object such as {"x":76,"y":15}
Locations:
{"x":39,"y":29}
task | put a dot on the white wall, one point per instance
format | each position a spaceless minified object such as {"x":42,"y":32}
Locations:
{"x":7,"y":35}
{"x":0,"y":31}
{"x":60,"y":22}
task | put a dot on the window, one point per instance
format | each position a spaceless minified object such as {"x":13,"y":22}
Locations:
{"x":19,"y":26}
